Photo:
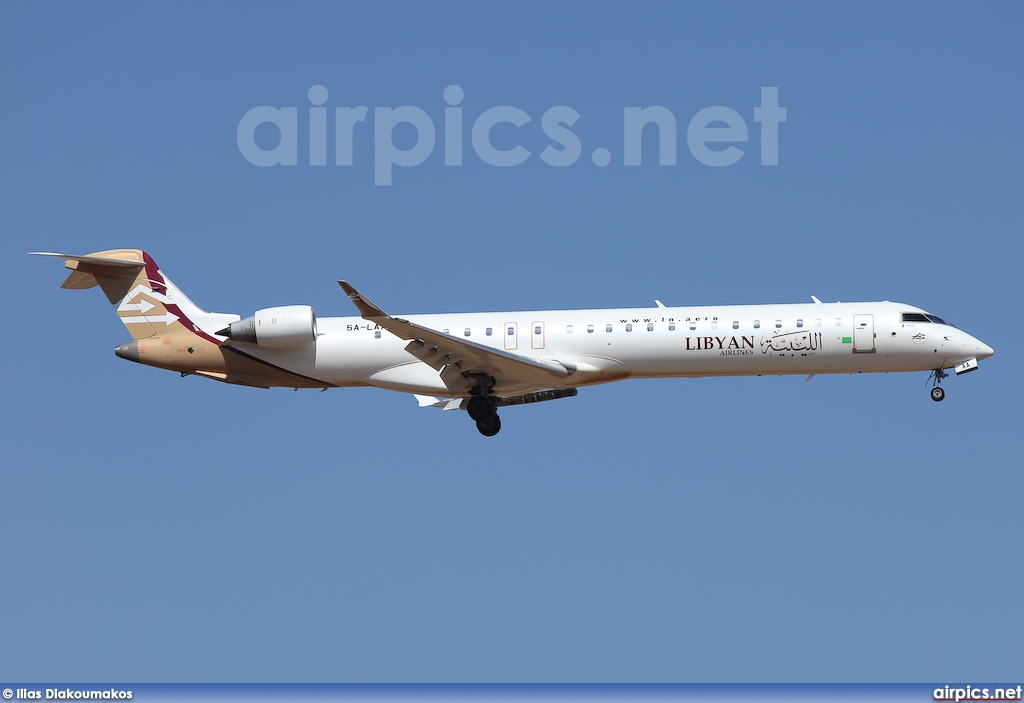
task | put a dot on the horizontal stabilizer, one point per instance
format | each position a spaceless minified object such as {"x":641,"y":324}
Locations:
{"x":84,"y":269}
{"x":102,"y":260}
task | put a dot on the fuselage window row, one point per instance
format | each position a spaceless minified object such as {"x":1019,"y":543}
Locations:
{"x":537,"y":330}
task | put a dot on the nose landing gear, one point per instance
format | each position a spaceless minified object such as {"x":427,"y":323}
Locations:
{"x":937,"y":392}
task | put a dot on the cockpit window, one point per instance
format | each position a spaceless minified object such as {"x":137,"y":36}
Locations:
{"x":923,"y":317}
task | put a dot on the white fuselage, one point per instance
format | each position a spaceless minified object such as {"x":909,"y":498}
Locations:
{"x":612,"y":344}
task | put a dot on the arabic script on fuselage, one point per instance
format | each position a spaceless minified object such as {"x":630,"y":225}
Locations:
{"x":796,"y":342}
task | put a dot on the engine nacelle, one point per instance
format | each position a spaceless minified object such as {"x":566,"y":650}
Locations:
{"x":272,"y":328}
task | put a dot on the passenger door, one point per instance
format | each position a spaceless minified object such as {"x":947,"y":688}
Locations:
{"x":863,"y":334}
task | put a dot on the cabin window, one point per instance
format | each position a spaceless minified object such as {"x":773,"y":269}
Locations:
{"x":693,"y":325}
{"x":629,"y":327}
{"x":757,"y":324}
{"x":489,"y":331}
{"x":671,"y":327}
{"x":590,"y":329}
{"x":511,"y":331}
{"x":466,"y":331}
{"x":568,"y":329}
{"x":839,"y":322}
{"x":536,"y":329}
{"x":607,"y":328}
{"x":650,"y":326}
{"x":778,"y":324}
{"x":714,"y":325}
{"x":376,"y":335}
{"x":799,"y":322}
{"x":817,"y":322}
{"x":735,"y":324}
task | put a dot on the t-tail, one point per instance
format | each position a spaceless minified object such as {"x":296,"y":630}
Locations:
{"x":147,"y":302}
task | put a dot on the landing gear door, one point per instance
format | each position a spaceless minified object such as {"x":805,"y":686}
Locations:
{"x":863,"y":334}
{"x":511,"y":336}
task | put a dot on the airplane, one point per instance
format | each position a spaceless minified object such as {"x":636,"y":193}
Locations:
{"x":483,"y":361}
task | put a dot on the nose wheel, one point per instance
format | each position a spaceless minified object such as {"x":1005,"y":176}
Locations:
{"x":937,"y":393}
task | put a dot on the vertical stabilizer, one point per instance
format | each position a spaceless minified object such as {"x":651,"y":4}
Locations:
{"x":147,"y":302}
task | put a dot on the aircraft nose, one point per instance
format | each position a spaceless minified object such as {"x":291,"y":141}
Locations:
{"x":984,"y":350}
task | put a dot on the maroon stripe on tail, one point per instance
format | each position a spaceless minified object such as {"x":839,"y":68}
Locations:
{"x":159,"y":285}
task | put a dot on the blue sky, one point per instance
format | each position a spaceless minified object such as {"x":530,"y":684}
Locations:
{"x":758,"y":529}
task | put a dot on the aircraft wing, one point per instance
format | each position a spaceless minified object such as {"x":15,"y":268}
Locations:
{"x":457,"y":359}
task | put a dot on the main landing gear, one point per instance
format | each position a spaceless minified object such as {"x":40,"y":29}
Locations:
{"x":480,"y":407}
{"x":937,"y":392}
{"x":481,"y":410}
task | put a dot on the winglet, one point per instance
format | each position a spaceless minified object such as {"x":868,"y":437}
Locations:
{"x":366,"y":307}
